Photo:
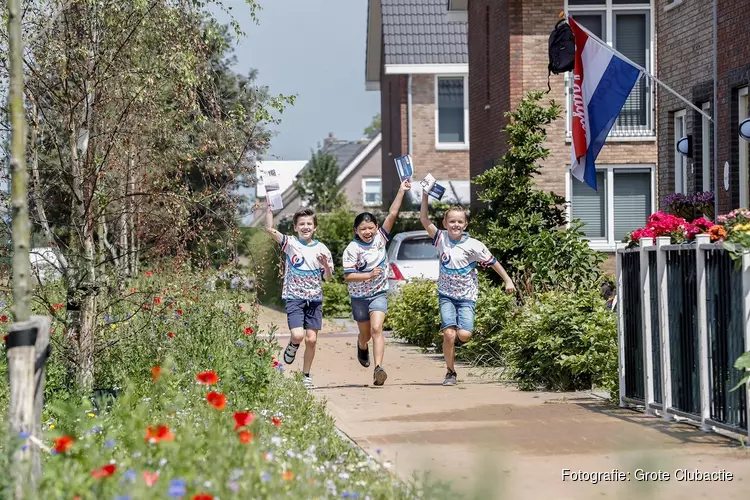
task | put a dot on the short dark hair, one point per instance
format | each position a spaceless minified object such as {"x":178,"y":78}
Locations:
{"x":306,"y":212}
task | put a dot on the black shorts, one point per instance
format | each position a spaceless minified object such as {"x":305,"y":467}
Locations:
{"x":305,"y":314}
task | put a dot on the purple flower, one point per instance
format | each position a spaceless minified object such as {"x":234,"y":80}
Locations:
{"x":129,"y":476}
{"x":265,"y":477}
{"x":177,"y":488}
{"x":110,"y":443}
{"x":349,"y":494}
{"x":240,"y":343}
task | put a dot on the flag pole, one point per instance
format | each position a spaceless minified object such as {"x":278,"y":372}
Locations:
{"x":643,"y":70}
{"x":714,"y":110}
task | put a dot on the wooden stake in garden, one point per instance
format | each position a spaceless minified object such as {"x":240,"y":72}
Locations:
{"x":24,"y":334}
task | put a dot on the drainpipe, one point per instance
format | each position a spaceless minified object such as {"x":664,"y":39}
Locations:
{"x":408,"y":112}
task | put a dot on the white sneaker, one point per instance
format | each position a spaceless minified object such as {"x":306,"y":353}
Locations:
{"x":290,"y":353}
{"x":308,"y":383}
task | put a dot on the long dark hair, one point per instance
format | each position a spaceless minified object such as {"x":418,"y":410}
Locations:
{"x":363,"y":217}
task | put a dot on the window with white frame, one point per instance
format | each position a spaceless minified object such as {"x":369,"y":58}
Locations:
{"x":744,"y":112}
{"x":625,"y":25}
{"x":706,"y":141}
{"x":680,"y":173}
{"x":372,"y":191}
{"x":451,"y":112}
{"x":622,"y":203}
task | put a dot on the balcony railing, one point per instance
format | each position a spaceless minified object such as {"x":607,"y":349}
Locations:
{"x":683,"y":320}
{"x":636,"y":119}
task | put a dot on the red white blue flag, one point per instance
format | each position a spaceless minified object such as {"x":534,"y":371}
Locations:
{"x":602,"y":82}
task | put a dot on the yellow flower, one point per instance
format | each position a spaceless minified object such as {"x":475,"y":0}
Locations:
{"x":114,"y":327}
{"x":91,"y":415}
{"x":51,"y":426}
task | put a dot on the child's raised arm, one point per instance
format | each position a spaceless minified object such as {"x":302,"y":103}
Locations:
{"x":498,"y":268}
{"x":424,"y":218}
{"x":396,"y":206}
{"x":269,"y":226}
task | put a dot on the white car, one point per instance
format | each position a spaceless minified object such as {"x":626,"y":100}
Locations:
{"x":411,"y":255}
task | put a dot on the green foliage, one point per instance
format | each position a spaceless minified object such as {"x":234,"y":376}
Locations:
{"x":494,"y":310}
{"x":414,"y":316}
{"x":743,"y":363}
{"x":298,"y":456}
{"x":265,"y":258}
{"x":336,"y":301}
{"x":561,"y":341}
{"x":374,"y":126}
{"x":317,"y":183}
{"x":522,"y":225}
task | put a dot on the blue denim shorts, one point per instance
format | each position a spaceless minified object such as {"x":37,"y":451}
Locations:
{"x":305,"y":314}
{"x":361,"y":308}
{"x":456,"y":313}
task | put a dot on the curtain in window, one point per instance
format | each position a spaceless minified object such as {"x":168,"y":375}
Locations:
{"x":632,"y":200}
{"x":589,"y":206}
{"x":451,"y":110}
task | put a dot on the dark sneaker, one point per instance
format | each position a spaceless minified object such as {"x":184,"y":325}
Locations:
{"x":363,"y":355}
{"x":290,"y":353}
{"x":450,"y":378}
{"x":379,"y":376}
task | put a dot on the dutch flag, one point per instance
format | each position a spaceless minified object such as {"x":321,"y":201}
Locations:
{"x":602,"y":82}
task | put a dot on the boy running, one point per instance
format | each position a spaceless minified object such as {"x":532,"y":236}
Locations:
{"x":458,"y":285}
{"x":307,"y":263}
{"x":366,"y":274}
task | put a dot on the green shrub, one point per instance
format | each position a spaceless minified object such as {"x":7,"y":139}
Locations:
{"x":336,"y":301}
{"x":562,"y":341}
{"x":494,"y":310}
{"x":413,"y":314}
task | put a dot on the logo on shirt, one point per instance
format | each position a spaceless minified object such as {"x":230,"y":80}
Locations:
{"x":297,"y":261}
{"x":361,"y":264}
{"x":445,"y":258}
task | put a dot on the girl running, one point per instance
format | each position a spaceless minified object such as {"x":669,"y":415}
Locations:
{"x":365,"y":272}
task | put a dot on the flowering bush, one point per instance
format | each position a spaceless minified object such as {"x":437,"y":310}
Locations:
{"x":678,"y":229}
{"x":203,"y":413}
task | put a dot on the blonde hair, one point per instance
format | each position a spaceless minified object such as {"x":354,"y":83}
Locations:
{"x":456,"y":208}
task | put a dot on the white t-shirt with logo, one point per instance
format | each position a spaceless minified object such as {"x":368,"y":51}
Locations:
{"x":303,"y":274}
{"x":362,"y":257}
{"x":458,"y":260}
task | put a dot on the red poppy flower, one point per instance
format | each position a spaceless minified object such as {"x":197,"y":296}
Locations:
{"x":5,"y":338}
{"x":133,"y":290}
{"x":103,"y":472}
{"x":217,"y":400}
{"x":276,"y":421}
{"x":63,"y":444}
{"x":160,"y":433}
{"x":275,"y":363}
{"x":155,"y":372}
{"x":260,"y":351}
{"x":203,"y":496}
{"x":179,"y":311}
{"x":3,"y":319}
{"x":249,"y":331}
{"x":288,"y":476}
{"x":150,"y":477}
{"x":149,"y":274}
{"x":170,"y":335}
{"x":157,"y":300}
{"x":243,"y":418}
{"x":207,"y":378}
{"x":57,"y":307}
{"x":245,"y":437}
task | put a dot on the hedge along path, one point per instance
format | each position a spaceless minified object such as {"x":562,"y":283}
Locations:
{"x":493,"y":441}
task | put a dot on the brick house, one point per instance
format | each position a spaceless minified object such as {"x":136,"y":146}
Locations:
{"x":687,"y":67}
{"x":508,"y":58}
{"x":417,"y":57}
{"x":359,"y":166}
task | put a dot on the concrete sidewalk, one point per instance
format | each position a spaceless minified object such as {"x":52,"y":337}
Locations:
{"x":492,"y":441}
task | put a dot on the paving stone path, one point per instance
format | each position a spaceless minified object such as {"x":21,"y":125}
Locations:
{"x":493,"y":441}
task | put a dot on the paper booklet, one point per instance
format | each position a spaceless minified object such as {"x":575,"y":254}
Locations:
{"x":404,"y":167}
{"x":432,"y":188}
{"x":274,"y":200}
{"x":270,"y":180}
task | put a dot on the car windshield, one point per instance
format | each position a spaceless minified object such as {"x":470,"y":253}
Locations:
{"x":417,"y":249}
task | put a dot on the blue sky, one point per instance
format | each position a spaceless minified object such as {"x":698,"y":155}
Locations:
{"x":316,"y":49}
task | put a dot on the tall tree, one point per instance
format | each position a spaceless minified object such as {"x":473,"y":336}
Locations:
{"x":374,"y":126}
{"x":317,"y":183}
{"x":139,"y":136}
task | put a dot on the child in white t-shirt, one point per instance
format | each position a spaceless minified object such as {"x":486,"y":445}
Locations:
{"x":307,"y":263}
{"x":366,"y":274}
{"x":458,"y":285}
